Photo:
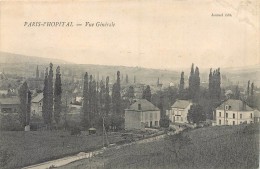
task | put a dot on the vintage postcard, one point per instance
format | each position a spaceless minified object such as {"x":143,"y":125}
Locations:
{"x":129,"y":84}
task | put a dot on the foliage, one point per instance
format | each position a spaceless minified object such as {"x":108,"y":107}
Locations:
{"x":117,"y":122}
{"x":147,"y":93}
{"x":85,"y":108}
{"x":196,"y":114}
{"x":107,"y":97}
{"x":181,"y":87}
{"x":164,"y":122}
{"x":10,"y":122}
{"x":57,"y":96}
{"x":47,"y":109}
{"x":75,"y":131}
{"x":25,"y":97}
{"x":116,"y":96}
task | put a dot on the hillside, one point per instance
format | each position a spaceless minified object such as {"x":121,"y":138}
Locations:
{"x":25,"y":66}
{"x":11,"y":58}
{"x":232,"y":147}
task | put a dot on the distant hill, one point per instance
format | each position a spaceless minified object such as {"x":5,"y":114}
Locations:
{"x":8,"y":58}
{"x":26,"y":65}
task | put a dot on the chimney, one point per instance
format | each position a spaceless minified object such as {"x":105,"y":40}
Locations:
{"x":139,"y":106}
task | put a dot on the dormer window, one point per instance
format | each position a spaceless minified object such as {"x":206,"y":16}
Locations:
{"x":226,"y":107}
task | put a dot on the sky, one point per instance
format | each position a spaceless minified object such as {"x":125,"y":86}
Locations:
{"x":151,"y":34}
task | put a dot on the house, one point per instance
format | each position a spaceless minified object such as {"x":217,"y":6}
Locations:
{"x":142,"y":114}
{"x":234,"y":112}
{"x":9,"y":105}
{"x":256,"y":116}
{"x":179,"y":111}
{"x":36,"y":107}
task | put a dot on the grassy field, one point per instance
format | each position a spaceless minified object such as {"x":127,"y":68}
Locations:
{"x":18,"y":148}
{"x":231,"y":147}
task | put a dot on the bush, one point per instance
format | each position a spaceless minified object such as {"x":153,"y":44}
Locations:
{"x":164,"y":122}
{"x":75,"y":131}
{"x":10,"y":122}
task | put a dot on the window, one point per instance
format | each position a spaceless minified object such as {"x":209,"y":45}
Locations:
{"x":40,"y":104}
{"x":233,"y":122}
{"x":251,"y":115}
{"x":219,"y":122}
{"x":226,"y":107}
{"x":177,"y":118}
{"x":226,"y":115}
{"x":181,"y":119}
{"x":219,"y":114}
{"x":156,"y":123}
{"x":234,"y":116}
{"x":240,"y":116}
{"x":226,"y":121}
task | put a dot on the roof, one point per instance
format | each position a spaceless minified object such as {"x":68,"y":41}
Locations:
{"x":9,"y":100}
{"x":38,"y":98}
{"x":145,"y":105}
{"x":234,"y":105}
{"x":181,"y":104}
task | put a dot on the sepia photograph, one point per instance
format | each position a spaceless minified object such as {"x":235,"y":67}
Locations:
{"x":129,"y":84}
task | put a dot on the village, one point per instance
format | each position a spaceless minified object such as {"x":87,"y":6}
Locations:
{"x":115,"y":110}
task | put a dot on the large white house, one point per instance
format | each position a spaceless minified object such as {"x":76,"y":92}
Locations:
{"x":142,"y":114}
{"x":234,"y":112}
{"x":179,"y":111}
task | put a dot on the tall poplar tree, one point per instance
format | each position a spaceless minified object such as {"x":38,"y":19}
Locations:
{"x":116,"y":96}
{"x":45,"y":112}
{"x":57,"y":96}
{"x":107,"y":97}
{"x":85,"y":108}
{"x":24,"y":115}
{"x":191,"y":82}
{"x":50,"y":93}
{"x":181,"y":87}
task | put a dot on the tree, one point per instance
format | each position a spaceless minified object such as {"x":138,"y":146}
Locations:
{"x":126,"y":79}
{"x":57,"y":96}
{"x":50,"y":92}
{"x":196,"y":85}
{"x":85,"y":107}
{"x":147,"y":93}
{"x":116,"y":96}
{"x":37,"y":72}
{"x":181,"y":87}
{"x":237,"y":93}
{"x":102,"y":97}
{"x":248,"y":88}
{"x":130,"y":93}
{"x":196,"y":114}
{"x":252,"y":89}
{"x":24,"y":111}
{"x":45,"y":112}
{"x":107,"y":97}
{"x":191,"y":82}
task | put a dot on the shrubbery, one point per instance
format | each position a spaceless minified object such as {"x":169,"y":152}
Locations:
{"x":10,"y":122}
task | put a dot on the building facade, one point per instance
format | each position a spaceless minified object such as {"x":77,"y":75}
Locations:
{"x":234,"y":112}
{"x":9,"y":105}
{"x":179,"y":111}
{"x":142,"y":114}
{"x":36,"y":107}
